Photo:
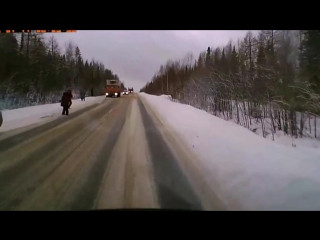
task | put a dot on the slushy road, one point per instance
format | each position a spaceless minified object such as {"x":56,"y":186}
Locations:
{"x":116,"y":154}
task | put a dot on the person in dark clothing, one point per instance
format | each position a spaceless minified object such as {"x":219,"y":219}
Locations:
{"x":71,"y":96}
{"x":66,"y":102}
{"x":91,"y":92}
{"x":83,"y":95}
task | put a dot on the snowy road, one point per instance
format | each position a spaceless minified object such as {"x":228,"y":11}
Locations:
{"x":116,"y":154}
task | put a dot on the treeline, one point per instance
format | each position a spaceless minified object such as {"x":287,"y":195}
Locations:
{"x":270,"y":80}
{"x":36,"y":71}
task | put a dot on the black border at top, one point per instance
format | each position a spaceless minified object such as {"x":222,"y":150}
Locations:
{"x":164,"y":16}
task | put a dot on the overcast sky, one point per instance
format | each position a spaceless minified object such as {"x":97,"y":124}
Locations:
{"x":135,"y":56}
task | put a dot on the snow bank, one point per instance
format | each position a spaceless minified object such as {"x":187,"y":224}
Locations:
{"x":311,"y":123}
{"x":258,"y":173}
{"x":22,"y":117}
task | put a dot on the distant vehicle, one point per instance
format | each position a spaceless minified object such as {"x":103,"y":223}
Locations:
{"x":130,"y":90}
{"x":125,"y":92}
{"x":113,"y":88}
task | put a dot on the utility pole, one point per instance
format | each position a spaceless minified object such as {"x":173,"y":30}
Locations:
{"x":1,"y":118}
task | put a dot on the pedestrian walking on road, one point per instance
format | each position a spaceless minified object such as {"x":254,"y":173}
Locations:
{"x":71,"y":96}
{"x":66,"y":102}
{"x":83,"y":95}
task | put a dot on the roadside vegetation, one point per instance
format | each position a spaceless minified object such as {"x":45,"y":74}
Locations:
{"x":269,"y":82}
{"x":35,"y":70}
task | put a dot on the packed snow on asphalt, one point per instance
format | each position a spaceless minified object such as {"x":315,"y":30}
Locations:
{"x":257,"y":173}
{"x":21,"y":117}
{"x":242,"y":167}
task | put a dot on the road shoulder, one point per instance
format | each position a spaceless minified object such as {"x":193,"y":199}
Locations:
{"x":16,"y":136}
{"x":188,"y":161}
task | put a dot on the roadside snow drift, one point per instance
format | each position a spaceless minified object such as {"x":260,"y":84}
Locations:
{"x":258,"y":173}
{"x":21,"y":117}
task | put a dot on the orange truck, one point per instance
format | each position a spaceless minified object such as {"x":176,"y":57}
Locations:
{"x":113,"y":88}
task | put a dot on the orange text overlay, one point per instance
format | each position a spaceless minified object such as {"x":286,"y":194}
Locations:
{"x":37,"y":31}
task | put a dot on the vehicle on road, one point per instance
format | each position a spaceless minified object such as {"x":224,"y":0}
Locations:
{"x":113,"y":88}
{"x":125,"y":92}
{"x":130,"y":90}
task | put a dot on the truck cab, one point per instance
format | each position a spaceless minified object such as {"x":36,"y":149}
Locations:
{"x":113,"y":88}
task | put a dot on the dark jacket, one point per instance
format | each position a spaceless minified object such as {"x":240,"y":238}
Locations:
{"x":82,"y":94}
{"x":66,"y":99}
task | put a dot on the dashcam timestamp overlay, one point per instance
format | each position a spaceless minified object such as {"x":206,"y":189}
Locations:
{"x":36,"y":31}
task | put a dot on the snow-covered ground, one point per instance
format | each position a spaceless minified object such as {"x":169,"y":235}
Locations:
{"x":259,"y":173}
{"x":311,"y":126}
{"x":21,"y":117}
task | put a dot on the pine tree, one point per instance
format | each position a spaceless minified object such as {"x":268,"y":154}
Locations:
{"x":311,"y":57}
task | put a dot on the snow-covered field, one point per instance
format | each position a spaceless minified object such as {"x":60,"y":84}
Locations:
{"x":21,"y":117}
{"x":259,"y":173}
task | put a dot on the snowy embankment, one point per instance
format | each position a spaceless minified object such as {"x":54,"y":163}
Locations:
{"x":259,"y":173}
{"x":21,"y":117}
{"x":263,"y":126}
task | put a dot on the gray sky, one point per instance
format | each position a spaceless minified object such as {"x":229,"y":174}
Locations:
{"x":135,"y":56}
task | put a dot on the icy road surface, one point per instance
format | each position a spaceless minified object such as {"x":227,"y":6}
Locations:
{"x":116,"y":154}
